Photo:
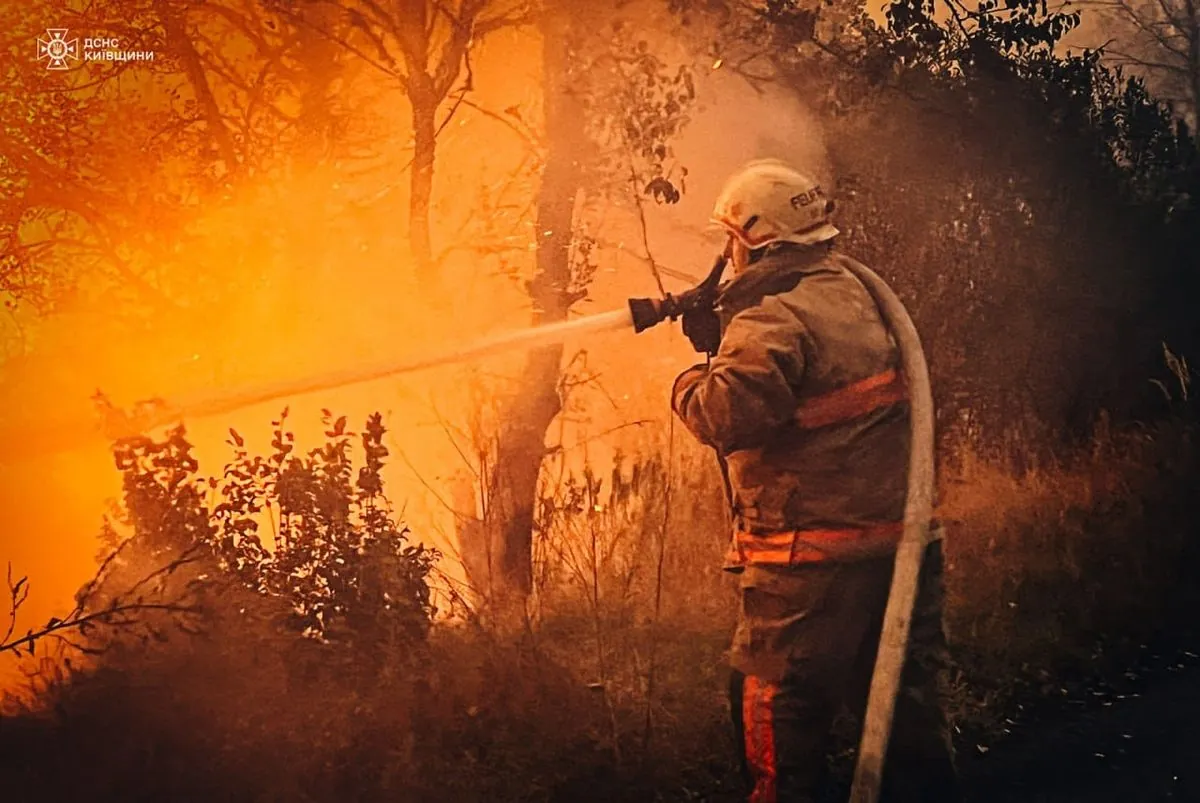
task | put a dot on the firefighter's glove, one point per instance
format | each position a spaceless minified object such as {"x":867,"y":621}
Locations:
{"x":703,"y":329}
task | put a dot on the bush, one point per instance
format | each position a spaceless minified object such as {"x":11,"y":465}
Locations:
{"x":342,"y":563}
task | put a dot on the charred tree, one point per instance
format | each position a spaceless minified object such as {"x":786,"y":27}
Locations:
{"x":611,"y":108}
{"x":521,"y":441}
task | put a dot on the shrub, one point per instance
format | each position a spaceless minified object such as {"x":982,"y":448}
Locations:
{"x":336,"y":555}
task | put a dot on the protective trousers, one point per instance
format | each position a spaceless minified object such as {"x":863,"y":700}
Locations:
{"x":804,"y":647}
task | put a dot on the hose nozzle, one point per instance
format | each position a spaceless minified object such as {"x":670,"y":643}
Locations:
{"x":649,"y":312}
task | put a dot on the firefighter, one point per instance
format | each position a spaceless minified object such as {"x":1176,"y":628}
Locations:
{"x":805,"y":405}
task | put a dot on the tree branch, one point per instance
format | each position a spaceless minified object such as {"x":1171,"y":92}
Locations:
{"x":645,"y":232}
{"x":528,"y":137}
{"x":1149,"y":64}
{"x":450,"y":59}
{"x":359,"y":24}
{"x":411,"y":34}
{"x":421,"y":479}
{"x":1152,"y":27}
{"x":251,"y":29}
{"x":1180,"y":18}
{"x":179,"y":41}
{"x":514,"y":19}
{"x":123,"y":611}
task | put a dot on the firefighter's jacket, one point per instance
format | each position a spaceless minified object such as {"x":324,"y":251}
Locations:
{"x":806,"y":407}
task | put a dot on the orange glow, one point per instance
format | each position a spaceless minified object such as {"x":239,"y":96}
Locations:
{"x":292,"y":279}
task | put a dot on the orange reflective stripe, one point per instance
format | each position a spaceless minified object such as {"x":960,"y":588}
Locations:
{"x":807,"y":546}
{"x":751,"y":242}
{"x":759,"y":730}
{"x":853,"y":401}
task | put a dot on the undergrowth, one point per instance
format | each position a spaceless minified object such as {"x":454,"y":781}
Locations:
{"x":321,"y":671}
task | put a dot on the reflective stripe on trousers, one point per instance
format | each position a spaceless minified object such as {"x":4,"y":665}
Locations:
{"x":824,"y":625}
{"x":752,"y":700}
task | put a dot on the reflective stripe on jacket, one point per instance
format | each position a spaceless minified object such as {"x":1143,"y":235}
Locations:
{"x":805,"y":404}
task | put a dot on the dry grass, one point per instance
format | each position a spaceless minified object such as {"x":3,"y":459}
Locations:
{"x":615,"y":689}
{"x":1063,"y":570}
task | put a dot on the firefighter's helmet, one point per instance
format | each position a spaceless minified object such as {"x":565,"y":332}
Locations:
{"x":768,"y":201}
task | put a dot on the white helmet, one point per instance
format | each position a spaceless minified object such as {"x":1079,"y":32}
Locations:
{"x":768,"y":201}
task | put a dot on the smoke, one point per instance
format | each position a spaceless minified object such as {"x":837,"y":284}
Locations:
{"x":298,"y":277}
{"x":737,"y":123}
{"x":734,"y":123}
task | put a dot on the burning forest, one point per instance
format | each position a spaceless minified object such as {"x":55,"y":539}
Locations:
{"x":560,"y":401}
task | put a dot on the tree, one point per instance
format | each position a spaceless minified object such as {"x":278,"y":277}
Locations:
{"x":103,"y":177}
{"x":998,"y":184}
{"x":611,"y":106}
{"x":1160,"y":39}
{"x":345,"y":567}
{"x":424,"y":46}
{"x":64,"y":202}
{"x":521,"y":441}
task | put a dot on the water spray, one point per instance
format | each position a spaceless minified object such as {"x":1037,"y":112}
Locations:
{"x":154,"y":413}
{"x":640,"y":315}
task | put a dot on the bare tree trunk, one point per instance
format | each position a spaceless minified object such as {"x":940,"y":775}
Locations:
{"x":521,"y":442}
{"x":432,"y":41}
{"x":424,"y":120}
{"x":179,"y":42}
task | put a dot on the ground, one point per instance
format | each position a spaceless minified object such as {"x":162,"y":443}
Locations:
{"x":1130,"y":740}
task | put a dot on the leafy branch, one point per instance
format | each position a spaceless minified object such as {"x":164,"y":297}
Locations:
{"x":128,"y":611}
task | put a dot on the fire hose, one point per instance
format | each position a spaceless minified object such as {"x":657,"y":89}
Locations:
{"x":918,"y":514}
{"x":918,"y":508}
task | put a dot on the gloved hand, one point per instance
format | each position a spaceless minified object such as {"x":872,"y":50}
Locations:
{"x":703,"y":328}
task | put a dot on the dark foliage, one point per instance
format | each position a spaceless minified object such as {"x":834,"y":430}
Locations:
{"x":338,"y":557}
{"x":1069,"y":217}
{"x":337,"y":567}
{"x":1037,"y":211}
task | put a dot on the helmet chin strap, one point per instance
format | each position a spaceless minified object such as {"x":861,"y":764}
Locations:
{"x":740,"y":257}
